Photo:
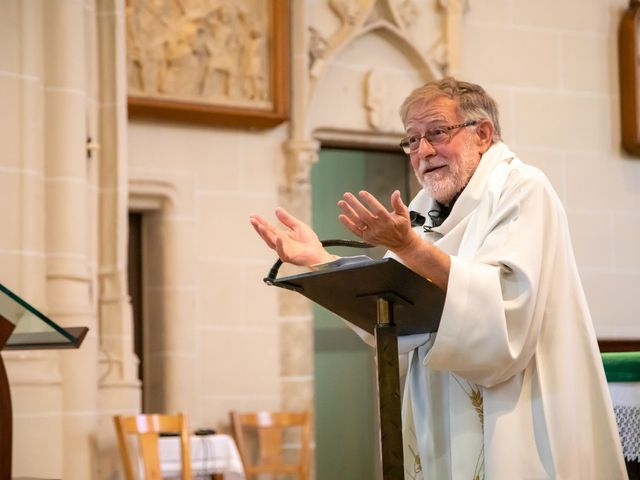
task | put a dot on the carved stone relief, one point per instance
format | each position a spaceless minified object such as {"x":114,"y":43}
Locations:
{"x":375,"y":89}
{"x":187,"y":50}
{"x":431,"y":45}
{"x":359,"y":17}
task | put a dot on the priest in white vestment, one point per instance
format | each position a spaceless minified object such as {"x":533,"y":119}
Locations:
{"x":511,"y":387}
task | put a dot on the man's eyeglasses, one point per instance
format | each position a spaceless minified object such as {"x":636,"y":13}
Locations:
{"x":435,"y":136}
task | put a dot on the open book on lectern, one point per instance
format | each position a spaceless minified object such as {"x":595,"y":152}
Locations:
{"x":350,"y":287}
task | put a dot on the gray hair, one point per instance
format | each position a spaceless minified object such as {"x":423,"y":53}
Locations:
{"x":474,"y":103}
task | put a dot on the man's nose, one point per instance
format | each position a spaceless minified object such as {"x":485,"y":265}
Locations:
{"x":425,"y":149}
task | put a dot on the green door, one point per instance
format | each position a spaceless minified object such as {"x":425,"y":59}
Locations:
{"x":346,"y":392}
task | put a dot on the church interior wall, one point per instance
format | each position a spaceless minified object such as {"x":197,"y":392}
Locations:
{"x":553,"y":69}
{"x":550,"y":65}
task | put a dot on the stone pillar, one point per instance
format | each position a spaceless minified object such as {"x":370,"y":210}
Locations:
{"x":170,"y":303}
{"x":67,"y":224}
{"x":296,"y":318}
{"x":118,"y":383}
{"x":300,"y":152}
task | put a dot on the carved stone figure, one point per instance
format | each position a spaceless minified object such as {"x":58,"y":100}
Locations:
{"x":375,"y":94}
{"x":213,"y":50}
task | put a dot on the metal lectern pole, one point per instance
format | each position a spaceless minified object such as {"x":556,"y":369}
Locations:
{"x":389,"y":392}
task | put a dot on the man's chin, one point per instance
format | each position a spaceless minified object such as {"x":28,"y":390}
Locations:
{"x":441,"y":193}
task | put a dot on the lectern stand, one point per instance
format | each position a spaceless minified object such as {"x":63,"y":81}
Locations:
{"x":386,"y":299}
{"x":22,"y":327}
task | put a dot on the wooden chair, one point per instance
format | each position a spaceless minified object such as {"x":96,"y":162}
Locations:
{"x":268,"y":430}
{"x":147,"y":428}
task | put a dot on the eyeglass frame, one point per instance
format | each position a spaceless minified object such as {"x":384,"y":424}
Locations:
{"x":404,"y":143}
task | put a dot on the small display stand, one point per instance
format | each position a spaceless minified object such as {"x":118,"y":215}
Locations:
{"x":386,"y":299}
{"x":22,"y":327}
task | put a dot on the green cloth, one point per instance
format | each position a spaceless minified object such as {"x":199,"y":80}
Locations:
{"x":621,"y":366}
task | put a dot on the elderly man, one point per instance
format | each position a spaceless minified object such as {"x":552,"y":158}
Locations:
{"x":511,"y":386}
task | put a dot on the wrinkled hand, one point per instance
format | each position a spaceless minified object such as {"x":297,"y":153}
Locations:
{"x":298,"y":244}
{"x":369,"y":219}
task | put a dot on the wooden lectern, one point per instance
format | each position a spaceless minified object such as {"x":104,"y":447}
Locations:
{"x":22,"y":327}
{"x":386,"y":299}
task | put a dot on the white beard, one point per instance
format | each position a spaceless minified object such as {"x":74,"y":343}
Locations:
{"x":445,"y":183}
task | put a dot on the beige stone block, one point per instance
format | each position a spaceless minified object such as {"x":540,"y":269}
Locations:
{"x":172,"y":193}
{"x":263,"y":305}
{"x":261,"y":162}
{"x":572,"y":121}
{"x":31,"y":124}
{"x":505,"y":101}
{"x":626,"y":236}
{"x":293,"y":304}
{"x":108,"y":454}
{"x":550,"y":161}
{"x":223,"y":297}
{"x":112,"y":43}
{"x":111,"y":135}
{"x":65,"y":134}
{"x":519,"y":57}
{"x":115,"y":317}
{"x":226,"y":216}
{"x":24,"y":273}
{"x":180,"y":376}
{"x":341,"y":85}
{"x":185,"y":202}
{"x":239,"y":362}
{"x":298,"y":394}
{"x":584,"y":58}
{"x":79,"y":445}
{"x":10,"y":130}
{"x":602,"y":182}
{"x":614,"y":302}
{"x":170,"y":320}
{"x":30,"y":44}
{"x":42,"y":434}
{"x":170,"y":382}
{"x":592,"y":241}
{"x":36,"y":400}
{"x":10,"y":187}
{"x":65,"y":206}
{"x":389,"y":54}
{"x":171,"y":252}
{"x":588,"y":15}
{"x":10,"y":36}
{"x":497,"y":12}
{"x":211,"y":155}
{"x":296,"y":353}
{"x":344,"y":85}
{"x":64,"y":37}
{"x":31,"y":222}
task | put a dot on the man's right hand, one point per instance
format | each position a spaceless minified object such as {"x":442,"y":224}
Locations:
{"x":298,"y":244}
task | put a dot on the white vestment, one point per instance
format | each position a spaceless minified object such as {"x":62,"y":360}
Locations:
{"x":511,"y":387}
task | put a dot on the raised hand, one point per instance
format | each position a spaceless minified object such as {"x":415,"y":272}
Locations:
{"x":367,"y":218}
{"x":297,"y":244}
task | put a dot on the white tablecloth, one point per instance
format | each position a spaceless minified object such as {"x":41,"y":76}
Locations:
{"x":626,"y":404}
{"x":209,"y":454}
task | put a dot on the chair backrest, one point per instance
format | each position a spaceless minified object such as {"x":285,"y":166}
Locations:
{"x":270,"y":431}
{"x":147,"y":429}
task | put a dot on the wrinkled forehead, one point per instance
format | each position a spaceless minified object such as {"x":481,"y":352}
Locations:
{"x":425,"y":112}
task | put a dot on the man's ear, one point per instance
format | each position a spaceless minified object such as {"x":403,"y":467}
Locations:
{"x":484,"y":133}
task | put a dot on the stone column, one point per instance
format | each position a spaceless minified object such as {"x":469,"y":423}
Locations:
{"x":170,"y":304}
{"x":296,"y":317}
{"x":118,"y":383}
{"x":67,"y":224}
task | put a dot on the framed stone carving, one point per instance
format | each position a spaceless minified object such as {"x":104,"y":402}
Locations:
{"x":223,"y":62}
{"x":629,"y":67}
